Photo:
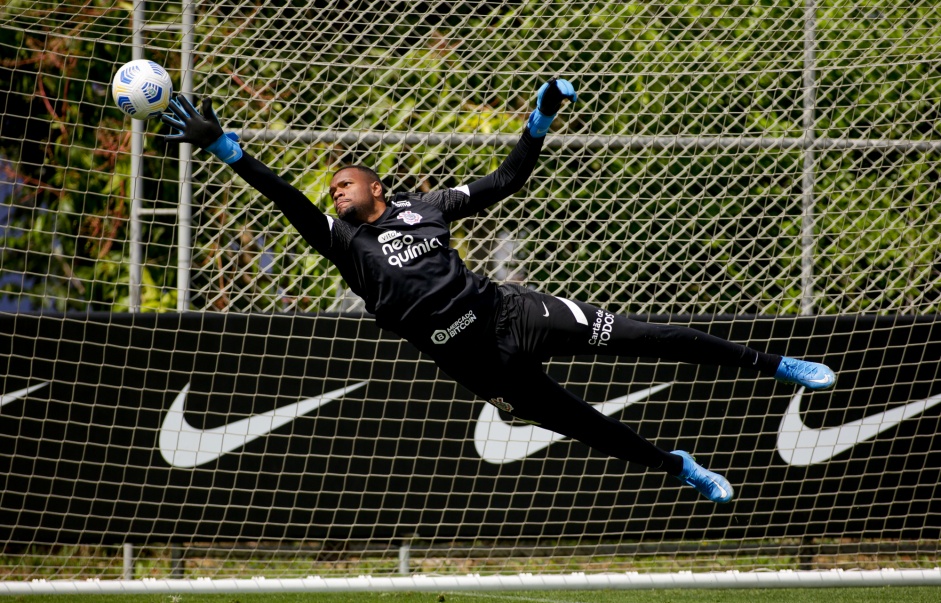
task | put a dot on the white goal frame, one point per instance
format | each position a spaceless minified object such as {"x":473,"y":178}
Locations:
{"x":801,"y":298}
{"x":476,"y":582}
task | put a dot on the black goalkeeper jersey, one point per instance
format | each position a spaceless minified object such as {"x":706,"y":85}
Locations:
{"x":404,"y":268}
{"x":402,"y":265}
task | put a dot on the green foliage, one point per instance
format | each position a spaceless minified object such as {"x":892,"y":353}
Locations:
{"x":68,"y":148}
{"x":642,"y":228}
{"x":886,"y":594}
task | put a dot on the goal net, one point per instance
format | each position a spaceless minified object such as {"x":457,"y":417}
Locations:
{"x":181,"y":374}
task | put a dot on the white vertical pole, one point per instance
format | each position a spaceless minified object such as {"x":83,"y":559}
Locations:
{"x":137,"y":183}
{"x":807,"y":185}
{"x":177,"y":562}
{"x":185,"y":211}
{"x":128,"y":561}
{"x":405,"y":558}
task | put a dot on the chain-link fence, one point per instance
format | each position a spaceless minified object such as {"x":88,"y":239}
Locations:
{"x":764,"y":157}
{"x":721,"y":158}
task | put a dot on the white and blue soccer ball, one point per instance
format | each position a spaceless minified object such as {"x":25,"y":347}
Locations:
{"x":142,"y":89}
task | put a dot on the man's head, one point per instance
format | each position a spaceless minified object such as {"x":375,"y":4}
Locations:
{"x":357,"y":193}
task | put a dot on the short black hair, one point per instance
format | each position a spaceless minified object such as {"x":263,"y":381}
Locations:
{"x":371,"y":173}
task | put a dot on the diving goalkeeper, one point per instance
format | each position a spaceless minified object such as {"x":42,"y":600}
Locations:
{"x":393,"y":250}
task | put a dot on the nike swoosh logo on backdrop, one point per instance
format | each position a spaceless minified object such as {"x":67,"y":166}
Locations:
{"x":800,"y":445}
{"x":499,"y":443}
{"x":20,"y":393}
{"x":182,"y":445}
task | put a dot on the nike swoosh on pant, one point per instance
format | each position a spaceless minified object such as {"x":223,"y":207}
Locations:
{"x":20,"y":393}
{"x":499,"y":443}
{"x":182,"y":445}
{"x":801,"y":446}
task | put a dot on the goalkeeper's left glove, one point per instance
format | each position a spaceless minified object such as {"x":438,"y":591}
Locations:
{"x":203,"y":130}
{"x":548,"y":102}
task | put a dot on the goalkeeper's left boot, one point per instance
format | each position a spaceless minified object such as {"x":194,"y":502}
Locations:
{"x":811,"y":375}
{"x":711,"y":485}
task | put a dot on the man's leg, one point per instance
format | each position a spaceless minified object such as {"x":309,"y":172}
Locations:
{"x":549,"y":326}
{"x":525,"y":391}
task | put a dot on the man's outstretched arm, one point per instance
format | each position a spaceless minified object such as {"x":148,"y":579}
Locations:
{"x":204,"y":131}
{"x":516,"y":169}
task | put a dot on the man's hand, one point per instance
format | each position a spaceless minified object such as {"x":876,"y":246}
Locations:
{"x":202,"y":130}
{"x":548,"y":102}
{"x":551,"y":94}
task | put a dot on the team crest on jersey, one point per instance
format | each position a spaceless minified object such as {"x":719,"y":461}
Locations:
{"x":410,"y":217}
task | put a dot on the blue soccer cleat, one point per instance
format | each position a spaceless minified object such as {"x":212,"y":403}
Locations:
{"x":711,"y":485}
{"x":809,"y":374}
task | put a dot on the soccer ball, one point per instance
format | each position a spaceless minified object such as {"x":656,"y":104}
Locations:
{"x":141,"y":89}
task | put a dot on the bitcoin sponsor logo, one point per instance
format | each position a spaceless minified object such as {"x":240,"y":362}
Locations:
{"x":444,"y":335}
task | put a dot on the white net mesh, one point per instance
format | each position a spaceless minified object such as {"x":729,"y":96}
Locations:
{"x":679,"y":183}
{"x":769,"y":159}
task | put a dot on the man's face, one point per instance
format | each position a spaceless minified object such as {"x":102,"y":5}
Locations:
{"x":355,"y":197}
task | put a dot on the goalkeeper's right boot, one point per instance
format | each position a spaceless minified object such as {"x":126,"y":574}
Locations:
{"x":711,"y":485}
{"x":809,"y":374}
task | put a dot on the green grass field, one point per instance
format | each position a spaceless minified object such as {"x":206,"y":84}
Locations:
{"x":797,"y":595}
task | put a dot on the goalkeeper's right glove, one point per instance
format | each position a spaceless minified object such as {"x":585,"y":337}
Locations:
{"x":548,"y":102}
{"x":203,"y":130}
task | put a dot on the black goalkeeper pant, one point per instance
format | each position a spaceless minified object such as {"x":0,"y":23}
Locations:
{"x":504,"y":365}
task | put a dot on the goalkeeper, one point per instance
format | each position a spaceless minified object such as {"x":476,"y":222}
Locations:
{"x":393,"y":251}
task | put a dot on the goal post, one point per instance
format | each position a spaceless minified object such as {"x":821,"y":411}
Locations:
{"x":180,"y":374}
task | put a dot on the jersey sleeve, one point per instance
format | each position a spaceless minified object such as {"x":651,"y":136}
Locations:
{"x":469,"y":199}
{"x":322,"y":232}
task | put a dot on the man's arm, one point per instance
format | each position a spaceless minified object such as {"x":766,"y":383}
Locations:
{"x":516,"y":169}
{"x":204,"y":131}
{"x":472,"y":198}
{"x":312,"y":224}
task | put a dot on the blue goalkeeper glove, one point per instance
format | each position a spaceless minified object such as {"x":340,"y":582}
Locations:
{"x":202,"y":130}
{"x":548,"y":102}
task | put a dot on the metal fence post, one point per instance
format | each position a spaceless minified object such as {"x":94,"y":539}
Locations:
{"x":184,"y":250}
{"x":137,"y":182}
{"x":808,"y":250}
